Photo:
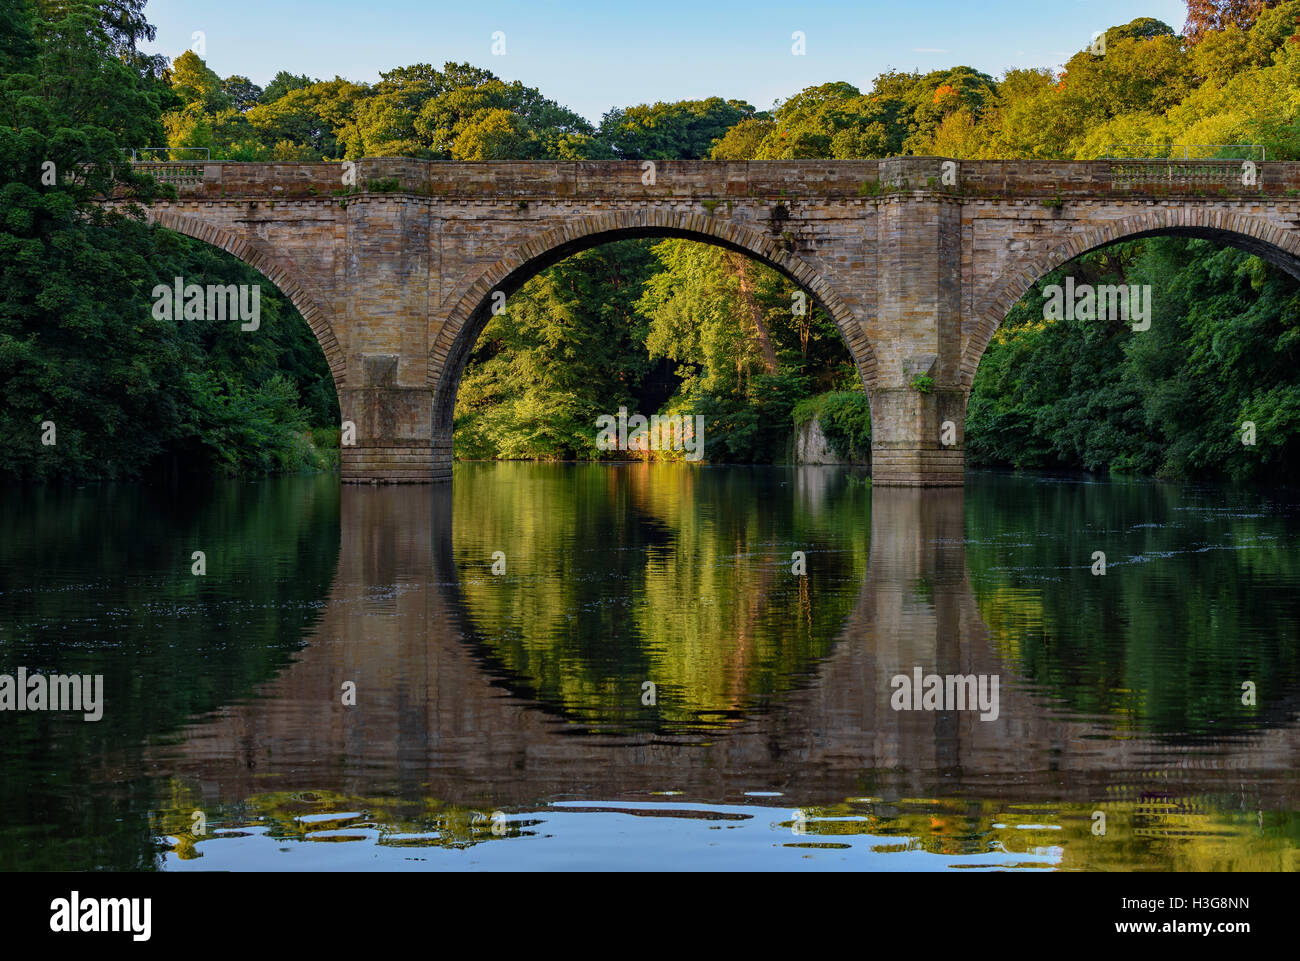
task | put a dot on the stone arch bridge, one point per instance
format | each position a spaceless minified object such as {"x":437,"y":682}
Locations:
{"x":916,"y":259}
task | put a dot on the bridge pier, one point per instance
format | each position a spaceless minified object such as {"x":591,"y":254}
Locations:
{"x":393,"y":436}
{"x":442,"y":453}
{"x":917,"y":437}
{"x":918,"y":408}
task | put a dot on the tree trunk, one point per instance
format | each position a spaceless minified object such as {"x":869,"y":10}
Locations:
{"x":740,"y":264}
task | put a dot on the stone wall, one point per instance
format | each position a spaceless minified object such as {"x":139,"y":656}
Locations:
{"x":810,"y":446}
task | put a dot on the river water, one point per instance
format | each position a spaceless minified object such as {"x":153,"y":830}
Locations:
{"x":605,"y":667}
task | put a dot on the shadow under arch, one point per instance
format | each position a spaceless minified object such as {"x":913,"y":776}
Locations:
{"x":450,"y":352}
{"x":258,"y":255}
{"x":1254,"y":235}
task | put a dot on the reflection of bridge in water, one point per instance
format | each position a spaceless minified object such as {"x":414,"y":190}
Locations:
{"x":432,"y":719}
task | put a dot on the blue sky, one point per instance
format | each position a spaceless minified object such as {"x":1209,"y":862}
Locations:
{"x":591,"y":56}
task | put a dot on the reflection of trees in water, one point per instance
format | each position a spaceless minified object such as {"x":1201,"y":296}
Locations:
{"x":330,"y":817}
{"x":667,"y":573}
{"x":433,"y":723}
{"x":1183,"y":615}
{"x":445,"y":719}
{"x":1142,"y":825}
{"x":98,"y":581}
{"x":1209,"y":833}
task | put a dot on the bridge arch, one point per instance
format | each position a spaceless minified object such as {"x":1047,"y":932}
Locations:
{"x":258,"y":255}
{"x":450,"y":352}
{"x":1255,"y":235}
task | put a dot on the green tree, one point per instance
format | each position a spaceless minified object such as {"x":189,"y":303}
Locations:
{"x":685,"y":130}
{"x":77,"y":347}
{"x":565,"y":350}
{"x":1205,"y":17}
{"x":284,"y":82}
{"x":316,"y":121}
{"x":81,"y":348}
{"x":241,"y":92}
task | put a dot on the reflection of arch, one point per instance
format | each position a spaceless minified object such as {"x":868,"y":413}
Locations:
{"x":1252,"y":234}
{"x":439,"y":719}
{"x":460,"y":331}
{"x":648,"y":530}
{"x":258,"y":256}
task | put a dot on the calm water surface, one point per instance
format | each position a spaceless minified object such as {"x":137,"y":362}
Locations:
{"x":506,"y":720}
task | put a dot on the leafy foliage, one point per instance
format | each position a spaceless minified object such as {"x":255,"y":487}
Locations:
{"x":79,"y":343}
{"x":566,"y":349}
{"x":1171,"y":400}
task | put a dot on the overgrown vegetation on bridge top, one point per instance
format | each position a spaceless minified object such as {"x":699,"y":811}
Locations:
{"x":670,"y":327}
